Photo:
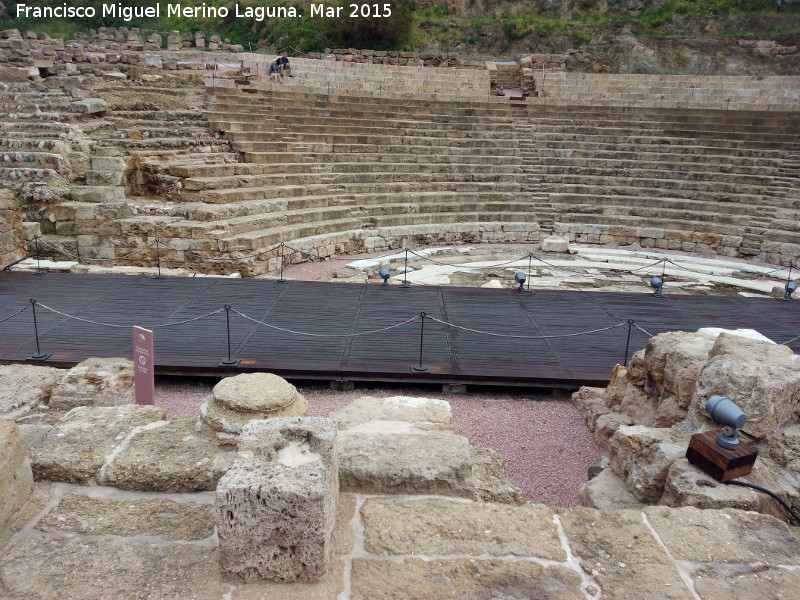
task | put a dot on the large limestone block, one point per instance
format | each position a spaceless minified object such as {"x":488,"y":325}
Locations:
{"x":618,"y":551}
{"x":448,"y":526}
{"x":687,"y":485}
{"x":78,"y":445}
{"x":101,"y":568}
{"x":762,"y":378}
{"x":591,"y":403}
{"x":276,"y":506}
{"x":784,"y":448}
{"x":674,"y":360}
{"x":471,"y":578}
{"x":746,"y":582}
{"x":23,"y":387}
{"x":555,"y":243}
{"x":16,"y":479}
{"x":425,"y":413}
{"x":405,"y":463}
{"x":607,"y":491}
{"x":725,"y":536}
{"x":641,"y":456}
{"x":166,"y":456}
{"x":95,"y":382}
{"x":129,"y":515}
{"x":489,"y":480}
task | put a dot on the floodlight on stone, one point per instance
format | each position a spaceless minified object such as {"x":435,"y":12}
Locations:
{"x":385,"y":274}
{"x":657,"y":283}
{"x":791,"y":288}
{"x":725,"y":412}
{"x":520,"y":278}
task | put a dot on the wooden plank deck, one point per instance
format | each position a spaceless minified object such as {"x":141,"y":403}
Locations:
{"x":337,"y":311}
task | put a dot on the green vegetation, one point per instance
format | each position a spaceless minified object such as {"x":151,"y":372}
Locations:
{"x":435,"y":26}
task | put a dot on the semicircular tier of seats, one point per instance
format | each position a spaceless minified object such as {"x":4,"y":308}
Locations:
{"x":691,"y":180}
{"x":331,"y":176}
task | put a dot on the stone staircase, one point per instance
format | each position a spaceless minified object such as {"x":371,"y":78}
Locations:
{"x":34,"y":135}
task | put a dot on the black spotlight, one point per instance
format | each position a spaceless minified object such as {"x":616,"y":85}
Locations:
{"x":385,"y":274}
{"x":656,"y":283}
{"x":791,"y":288}
{"x":520,"y":279}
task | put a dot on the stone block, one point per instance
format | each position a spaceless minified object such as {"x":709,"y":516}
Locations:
{"x":642,"y":456}
{"x":89,"y":106}
{"x":555,"y":243}
{"x":607,"y":491}
{"x":426,"y":414}
{"x":276,"y":506}
{"x":16,"y":479}
{"x":95,"y":382}
{"x":23,"y":387}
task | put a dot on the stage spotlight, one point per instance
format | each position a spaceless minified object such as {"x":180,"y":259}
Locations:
{"x":385,"y":274}
{"x":723,"y":410}
{"x":657,"y":283}
{"x":791,"y":288}
{"x":521,"y":279}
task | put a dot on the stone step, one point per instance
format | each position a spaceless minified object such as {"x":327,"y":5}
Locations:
{"x":225,"y":196}
{"x":704,"y":180}
{"x":631,"y":152}
{"x":384,"y":137}
{"x":692,"y":209}
{"x":24,"y":144}
{"x":666,"y":163}
{"x":207,"y":213}
{"x":34,"y":126}
{"x":718,"y":190}
{"x":264,"y":239}
{"x":27,"y":159}
{"x":167,"y":143}
{"x":370,"y":148}
{"x":626,"y":225}
{"x":372,"y":158}
{"x":727,"y":147}
{"x":360,"y":177}
{"x":24,"y":174}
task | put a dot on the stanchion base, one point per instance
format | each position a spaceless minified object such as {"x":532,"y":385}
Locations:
{"x":158,"y":277}
{"x":42,"y":356}
{"x":420,"y":369}
{"x":405,"y":285}
{"x":784,"y":299}
{"x":531,"y":292}
{"x":229,"y":363}
{"x":38,"y":272}
{"x":281,"y":280}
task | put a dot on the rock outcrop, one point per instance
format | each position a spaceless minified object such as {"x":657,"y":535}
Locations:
{"x":237,"y":400}
{"x":648,"y":412}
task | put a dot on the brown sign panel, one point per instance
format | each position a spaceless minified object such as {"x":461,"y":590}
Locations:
{"x":143,"y":365}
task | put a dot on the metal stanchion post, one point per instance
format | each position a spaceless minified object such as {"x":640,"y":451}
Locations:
{"x":420,"y":368}
{"x":230,"y":362}
{"x":281,"y":279}
{"x":405,"y":283}
{"x":39,"y":354}
{"x":158,"y":261}
{"x":628,"y":342}
{"x":38,"y":270}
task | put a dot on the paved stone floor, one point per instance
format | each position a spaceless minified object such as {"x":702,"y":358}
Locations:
{"x":73,"y":542}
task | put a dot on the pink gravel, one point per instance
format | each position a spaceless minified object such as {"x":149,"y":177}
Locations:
{"x":544,"y":440}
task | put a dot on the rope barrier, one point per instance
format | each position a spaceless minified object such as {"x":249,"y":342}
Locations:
{"x":433,"y":260}
{"x":786,"y":343}
{"x":21,"y":310}
{"x":75,"y":256}
{"x":90,"y":321}
{"x":201,"y":317}
{"x":21,"y":248}
{"x":647,"y":333}
{"x":326,"y":335}
{"x":525,"y":337}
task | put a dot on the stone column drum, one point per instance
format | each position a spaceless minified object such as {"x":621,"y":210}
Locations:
{"x":276,"y":506}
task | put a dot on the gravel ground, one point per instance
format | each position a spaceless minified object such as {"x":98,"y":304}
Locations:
{"x":544,"y":440}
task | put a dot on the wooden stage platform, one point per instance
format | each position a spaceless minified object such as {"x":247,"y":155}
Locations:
{"x":454,"y":355}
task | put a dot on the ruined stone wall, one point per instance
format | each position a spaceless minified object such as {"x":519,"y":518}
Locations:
{"x":11,"y":235}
